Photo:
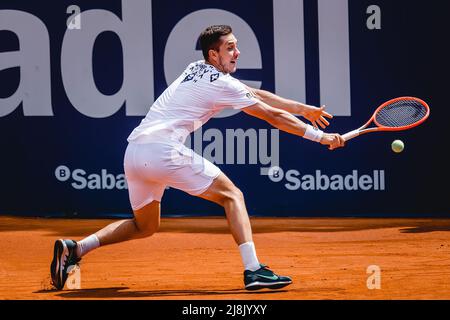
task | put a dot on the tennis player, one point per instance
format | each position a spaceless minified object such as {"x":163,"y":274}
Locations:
{"x":156,"y":156}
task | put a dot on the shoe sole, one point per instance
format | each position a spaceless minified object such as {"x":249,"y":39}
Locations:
{"x":262,"y":285}
{"x":59,"y":251}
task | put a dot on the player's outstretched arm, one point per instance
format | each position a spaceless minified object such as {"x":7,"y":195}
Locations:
{"x":285,"y":121}
{"x":317,"y":116}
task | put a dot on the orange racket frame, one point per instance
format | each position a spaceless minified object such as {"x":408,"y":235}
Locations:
{"x":380,"y":127}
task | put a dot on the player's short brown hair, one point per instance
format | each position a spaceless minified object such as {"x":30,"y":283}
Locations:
{"x":210,"y":38}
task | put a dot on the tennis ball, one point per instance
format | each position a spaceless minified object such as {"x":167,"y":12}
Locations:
{"x":397,"y":146}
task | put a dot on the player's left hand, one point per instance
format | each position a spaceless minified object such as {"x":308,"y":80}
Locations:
{"x":317,"y":116}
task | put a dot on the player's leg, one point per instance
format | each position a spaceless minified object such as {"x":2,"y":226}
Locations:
{"x":145,"y":223}
{"x":198,"y":176}
{"x":223,"y":192}
{"x":145,"y":197}
{"x":69,"y":252}
{"x":256,"y":276}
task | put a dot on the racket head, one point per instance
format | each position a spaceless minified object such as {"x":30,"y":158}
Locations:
{"x":401,"y":114}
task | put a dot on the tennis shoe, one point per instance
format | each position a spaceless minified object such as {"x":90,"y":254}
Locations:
{"x":64,"y":256}
{"x":264,"y":278}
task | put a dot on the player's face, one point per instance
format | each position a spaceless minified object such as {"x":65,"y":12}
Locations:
{"x":228,"y":54}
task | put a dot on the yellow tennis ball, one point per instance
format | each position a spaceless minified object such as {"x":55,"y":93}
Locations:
{"x":397,"y":146}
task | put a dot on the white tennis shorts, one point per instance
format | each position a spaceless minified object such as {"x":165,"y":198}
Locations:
{"x":150,"y":168}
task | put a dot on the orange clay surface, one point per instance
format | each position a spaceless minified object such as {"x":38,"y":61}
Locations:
{"x":196,"y":258}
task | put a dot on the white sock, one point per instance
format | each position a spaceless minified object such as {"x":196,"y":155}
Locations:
{"x":87,"y":244}
{"x":249,"y":258}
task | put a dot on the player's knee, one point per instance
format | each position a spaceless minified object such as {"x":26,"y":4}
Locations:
{"x":238,"y":195}
{"x":148,"y":228}
{"x":234,"y":195}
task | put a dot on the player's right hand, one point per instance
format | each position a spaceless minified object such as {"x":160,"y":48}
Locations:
{"x":332,"y":140}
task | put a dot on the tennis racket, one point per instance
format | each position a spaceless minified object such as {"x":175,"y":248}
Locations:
{"x":394,"y":115}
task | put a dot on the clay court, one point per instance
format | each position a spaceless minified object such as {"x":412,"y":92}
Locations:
{"x":189,"y":259}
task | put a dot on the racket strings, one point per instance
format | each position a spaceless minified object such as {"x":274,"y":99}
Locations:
{"x":401,"y":113}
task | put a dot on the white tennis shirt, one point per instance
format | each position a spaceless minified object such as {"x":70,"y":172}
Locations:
{"x":199,"y":93}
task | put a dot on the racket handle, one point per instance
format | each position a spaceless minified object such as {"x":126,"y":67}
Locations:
{"x":351,"y":135}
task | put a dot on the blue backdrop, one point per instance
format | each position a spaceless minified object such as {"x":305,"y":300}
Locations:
{"x":74,"y":86}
